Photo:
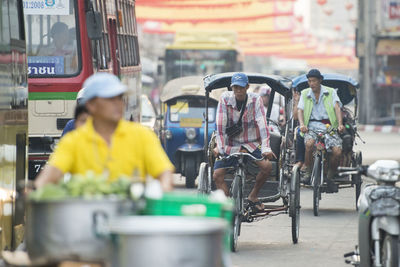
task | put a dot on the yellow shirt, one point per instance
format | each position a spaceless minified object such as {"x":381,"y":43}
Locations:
{"x":134,"y":150}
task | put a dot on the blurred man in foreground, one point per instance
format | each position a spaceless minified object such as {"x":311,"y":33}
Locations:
{"x":107,"y":144}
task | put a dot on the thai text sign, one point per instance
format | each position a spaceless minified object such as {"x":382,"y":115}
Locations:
{"x":45,"y":65}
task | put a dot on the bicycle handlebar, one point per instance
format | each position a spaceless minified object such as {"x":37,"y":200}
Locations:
{"x":239,"y":154}
{"x":327,"y":131}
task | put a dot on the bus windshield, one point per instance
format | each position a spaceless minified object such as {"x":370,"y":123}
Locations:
{"x":51,"y":38}
{"x":185,"y":62}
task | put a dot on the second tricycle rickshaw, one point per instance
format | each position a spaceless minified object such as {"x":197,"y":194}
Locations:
{"x":346,"y":89}
{"x":182,"y":133}
{"x":284,"y":180}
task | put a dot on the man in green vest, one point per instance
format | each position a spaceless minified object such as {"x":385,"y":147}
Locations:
{"x":318,"y":107}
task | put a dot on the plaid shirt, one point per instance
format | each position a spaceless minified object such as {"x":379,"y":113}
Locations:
{"x":254,"y":124}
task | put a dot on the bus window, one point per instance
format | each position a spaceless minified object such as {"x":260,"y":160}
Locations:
{"x":17,"y":30}
{"x":127,"y":36}
{"x":101,"y":48}
{"x":5,"y":34}
{"x":52,"y":39}
{"x":185,"y":62}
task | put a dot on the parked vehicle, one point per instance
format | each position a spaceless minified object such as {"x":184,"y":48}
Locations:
{"x":379,"y":214}
{"x":14,"y":123}
{"x":182,"y":132}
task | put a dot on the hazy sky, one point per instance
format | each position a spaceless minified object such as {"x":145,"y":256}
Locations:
{"x":302,"y":8}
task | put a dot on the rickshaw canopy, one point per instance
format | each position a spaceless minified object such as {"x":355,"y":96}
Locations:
{"x":185,"y":86}
{"x":277,"y":83}
{"x":345,"y":85}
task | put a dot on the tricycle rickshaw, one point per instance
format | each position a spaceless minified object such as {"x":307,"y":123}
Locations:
{"x":284,"y":180}
{"x":182,"y":131}
{"x":346,"y":89}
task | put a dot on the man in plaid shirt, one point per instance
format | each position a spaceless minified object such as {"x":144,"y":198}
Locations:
{"x":253,"y":138}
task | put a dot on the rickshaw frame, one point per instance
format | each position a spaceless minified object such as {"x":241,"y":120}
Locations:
{"x":288,"y":172}
{"x":347,"y":90}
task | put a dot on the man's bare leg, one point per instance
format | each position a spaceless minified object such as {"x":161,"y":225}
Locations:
{"x":308,"y":155}
{"x":218,"y":176}
{"x":265,"y":167}
{"x":334,"y":161}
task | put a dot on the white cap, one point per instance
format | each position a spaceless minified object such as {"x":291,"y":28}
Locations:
{"x":79,"y":96}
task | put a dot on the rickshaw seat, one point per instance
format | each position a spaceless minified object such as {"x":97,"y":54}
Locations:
{"x":275,"y":140}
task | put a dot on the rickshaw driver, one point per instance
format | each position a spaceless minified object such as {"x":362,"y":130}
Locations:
{"x":254,"y":133}
{"x":106,"y":143}
{"x":318,"y":106}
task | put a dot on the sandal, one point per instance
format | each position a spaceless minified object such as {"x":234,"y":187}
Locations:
{"x":255,"y":206}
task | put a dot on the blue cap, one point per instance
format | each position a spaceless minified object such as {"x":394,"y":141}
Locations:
{"x":240,"y":79}
{"x":104,"y":85}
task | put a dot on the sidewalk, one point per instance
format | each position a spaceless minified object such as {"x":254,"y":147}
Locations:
{"x":379,"y":128}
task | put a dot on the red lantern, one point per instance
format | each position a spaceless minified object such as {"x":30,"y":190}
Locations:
{"x":349,"y":6}
{"x":338,"y":27}
{"x":321,"y":2}
{"x":353,"y":21}
{"x":328,"y":12}
{"x":299,"y":18}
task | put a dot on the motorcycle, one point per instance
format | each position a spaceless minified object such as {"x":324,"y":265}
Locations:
{"x":379,"y":214}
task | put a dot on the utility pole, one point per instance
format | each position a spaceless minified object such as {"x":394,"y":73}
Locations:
{"x":366,"y":48}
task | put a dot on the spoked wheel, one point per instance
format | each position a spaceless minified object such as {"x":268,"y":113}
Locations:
{"x":236,"y":232}
{"x":316,"y":175}
{"x":356,"y":178}
{"x":390,"y":251}
{"x":294,"y":208}
{"x":190,"y":171}
{"x":237,"y":219}
{"x":203,"y":181}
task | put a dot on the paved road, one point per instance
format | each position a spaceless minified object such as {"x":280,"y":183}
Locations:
{"x":379,"y":146}
{"x":324,"y":239}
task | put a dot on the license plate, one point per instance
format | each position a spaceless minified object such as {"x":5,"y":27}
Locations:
{"x":34,"y":168}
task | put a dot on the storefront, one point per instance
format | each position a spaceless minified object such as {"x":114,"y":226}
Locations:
{"x":387,"y":90}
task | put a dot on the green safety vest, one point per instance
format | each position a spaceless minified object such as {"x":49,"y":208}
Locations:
{"x":327,"y":100}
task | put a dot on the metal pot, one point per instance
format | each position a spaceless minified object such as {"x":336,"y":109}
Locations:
{"x":153,"y":241}
{"x":63,"y":230}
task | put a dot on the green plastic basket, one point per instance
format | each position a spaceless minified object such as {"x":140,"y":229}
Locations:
{"x":189,"y":204}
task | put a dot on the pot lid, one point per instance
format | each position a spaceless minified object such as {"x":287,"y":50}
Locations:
{"x":166,"y":225}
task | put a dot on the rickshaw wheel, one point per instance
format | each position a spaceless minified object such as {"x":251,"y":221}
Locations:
{"x":190,"y":172}
{"x":237,"y":220}
{"x":316,"y":172}
{"x":202,"y":180}
{"x":294,"y":208}
{"x":356,"y":178}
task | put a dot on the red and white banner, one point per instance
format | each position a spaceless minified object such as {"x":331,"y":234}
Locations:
{"x":394,"y":10}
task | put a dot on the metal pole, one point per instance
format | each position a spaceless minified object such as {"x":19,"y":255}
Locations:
{"x":206,"y":128}
{"x":368,"y":63}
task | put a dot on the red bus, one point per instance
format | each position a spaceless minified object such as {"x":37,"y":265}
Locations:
{"x":67,"y":41}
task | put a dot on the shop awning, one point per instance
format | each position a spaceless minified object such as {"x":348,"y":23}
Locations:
{"x":388,"y":47}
